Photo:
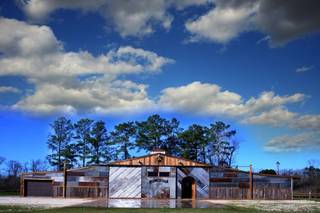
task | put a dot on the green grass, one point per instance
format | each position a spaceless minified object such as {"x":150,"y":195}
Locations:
{"x":227,"y":209}
{"x":6,"y":193}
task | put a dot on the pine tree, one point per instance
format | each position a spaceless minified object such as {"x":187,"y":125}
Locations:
{"x":122,"y":136}
{"x":100,"y":146}
{"x":156,"y":132}
{"x":58,"y":141}
{"x":82,"y":135}
{"x":192,"y":142}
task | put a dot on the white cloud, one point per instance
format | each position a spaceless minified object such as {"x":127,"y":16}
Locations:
{"x":306,"y":122}
{"x":304,"y":68}
{"x":199,"y":98}
{"x":20,"y":39}
{"x":276,"y":117}
{"x":93,"y":95}
{"x":221,"y":24}
{"x":269,"y":100}
{"x":210,"y":99}
{"x":4,"y":89}
{"x":56,"y":75}
{"x":287,"y":143}
{"x":281,"y":21}
{"x":33,"y":50}
{"x":266,"y":109}
{"x":128,"y":17}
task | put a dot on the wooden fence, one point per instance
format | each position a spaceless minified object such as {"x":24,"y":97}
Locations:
{"x":235,"y":193}
{"x":259,"y":193}
{"x":306,"y":195}
{"x":81,"y":191}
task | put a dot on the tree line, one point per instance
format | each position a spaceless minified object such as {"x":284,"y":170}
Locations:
{"x":88,"y":142}
{"x":10,"y":171}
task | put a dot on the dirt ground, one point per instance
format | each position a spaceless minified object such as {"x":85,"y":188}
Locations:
{"x":44,"y":202}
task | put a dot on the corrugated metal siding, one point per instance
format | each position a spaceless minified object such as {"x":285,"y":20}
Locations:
{"x":125,"y":182}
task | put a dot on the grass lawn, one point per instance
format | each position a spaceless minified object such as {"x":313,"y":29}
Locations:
{"x":123,"y":210}
{"x":5,"y":193}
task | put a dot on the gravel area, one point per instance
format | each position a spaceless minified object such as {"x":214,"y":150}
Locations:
{"x":42,"y":202}
{"x":274,"y":205}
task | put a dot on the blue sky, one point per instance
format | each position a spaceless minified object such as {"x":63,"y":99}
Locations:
{"x":253,"y":64}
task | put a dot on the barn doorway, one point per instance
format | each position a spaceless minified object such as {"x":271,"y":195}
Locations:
{"x":188,"y":188}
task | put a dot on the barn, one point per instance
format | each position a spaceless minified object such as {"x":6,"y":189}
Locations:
{"x":156,"y":176}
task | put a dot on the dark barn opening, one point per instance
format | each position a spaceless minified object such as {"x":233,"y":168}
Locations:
{"x":38,"y":188}
{"x":188,"y":188}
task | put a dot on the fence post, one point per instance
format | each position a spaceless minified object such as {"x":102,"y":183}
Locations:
{"x":310,"y":196}
{"x":65,"y":180}
{"x":251,"y":183}
{"x":291,"y":188}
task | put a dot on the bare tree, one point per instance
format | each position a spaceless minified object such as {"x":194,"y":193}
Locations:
{"x":2,"y":160}
{"x":14,"y":168}
{"x":38,"y":165}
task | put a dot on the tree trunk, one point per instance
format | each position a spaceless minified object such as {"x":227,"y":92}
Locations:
{"x":59,"y":156}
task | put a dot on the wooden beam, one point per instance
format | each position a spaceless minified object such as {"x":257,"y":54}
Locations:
{"x":291,"y":188}
{"x":250,"y":183}
{"x":65,"y":180}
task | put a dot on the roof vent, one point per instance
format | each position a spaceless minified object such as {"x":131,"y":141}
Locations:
{"x":158,"y":151}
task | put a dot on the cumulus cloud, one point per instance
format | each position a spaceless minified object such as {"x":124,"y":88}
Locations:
{"x":282,"y":21}
{"x":210,"y":99}
{"x":288,"y":143}
{"x":267,"y":109}
{"x":202,"y":98}
{"x":4,"y":89}
{"x":93,"y":95}
{"x":34,"y":52}
{"x":288,"y":20}
{"x":276,"y":117}
{"x":128,"y":17}
{"x":223,"y":23}
{"x":20,"y":39}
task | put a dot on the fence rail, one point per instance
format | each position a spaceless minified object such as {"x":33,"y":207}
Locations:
{"x":306,"y":195}
{"x":81,"y":191}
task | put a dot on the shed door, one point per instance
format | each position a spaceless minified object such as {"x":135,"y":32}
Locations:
{"x":40,"y":188}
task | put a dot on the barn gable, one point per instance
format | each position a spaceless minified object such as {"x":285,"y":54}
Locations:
{"x":159,"y":159}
